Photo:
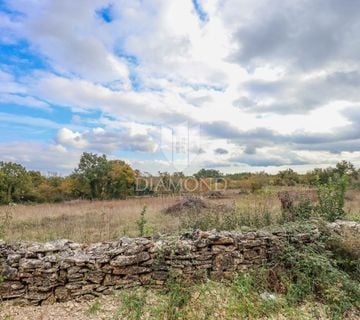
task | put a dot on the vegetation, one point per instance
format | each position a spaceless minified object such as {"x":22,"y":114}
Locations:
{"x":141,"y":222}
{"x":97,"y":178}
{"x":321,"y":280}
{"x":332,"y":198}
{"x":94,"y":178}
{"x":301,"y":283}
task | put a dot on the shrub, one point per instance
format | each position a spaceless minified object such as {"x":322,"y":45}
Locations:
{"x":332,"y":198}
{"x":310,"y":272}
{"x":346,"y":250}
{"x":304,"y":210}
{"x":295,"y":206}
{"x":227,"y":217}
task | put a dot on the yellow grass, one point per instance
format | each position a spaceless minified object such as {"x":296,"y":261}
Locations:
{"x":86,"y":221}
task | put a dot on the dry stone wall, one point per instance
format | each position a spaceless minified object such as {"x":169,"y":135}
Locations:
{"x":36,"y":273}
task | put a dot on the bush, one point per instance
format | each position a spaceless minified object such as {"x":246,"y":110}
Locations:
{"x":227,"y":217}
{"x":310,"y":272}
{"x":332,"y":198}
{"x":346,"y":250}
{"x":297,"y":276}
{"x":295,"y":206}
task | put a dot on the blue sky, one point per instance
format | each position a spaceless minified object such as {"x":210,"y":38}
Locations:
{"x":270,"y":85}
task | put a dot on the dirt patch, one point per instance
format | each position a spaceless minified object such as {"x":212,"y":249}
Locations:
{"x":185,"y":204}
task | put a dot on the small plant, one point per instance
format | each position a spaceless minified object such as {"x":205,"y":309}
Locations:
{"x":179,"y":295}
{"x":250,"y":298}
{"x":267,"y":220}
{"x":6,"y":215}
{"x":132,"y":304}
{"x":141,"y":222}
{"x":94,"y":308}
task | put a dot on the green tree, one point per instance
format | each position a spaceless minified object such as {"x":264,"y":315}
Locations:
{"x":15,"y":182}
{"x":287,"y":177}
{"x":207,"y":173}
{"x":346,"y":168}
{"x":121,"y":179}
{"x":93,"y":171}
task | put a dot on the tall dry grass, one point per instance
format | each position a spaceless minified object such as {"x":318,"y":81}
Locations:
{"x":91,"y":221}
{"x":87,"y":221}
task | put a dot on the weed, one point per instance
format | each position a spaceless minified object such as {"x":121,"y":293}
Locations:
{"x":249,"y":296}
{"x":141,"y":222}
{"x":178,"y":296}
{"x":6,"y":215}
{"x":174,"y":300}
{"x":304,"y":210}
{"x":94,"y":308}
{"x":132,"y":304}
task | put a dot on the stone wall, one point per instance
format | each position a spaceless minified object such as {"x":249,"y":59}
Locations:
{"x":62,"y":270}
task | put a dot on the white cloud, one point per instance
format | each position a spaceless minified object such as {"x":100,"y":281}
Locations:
{"x":268,"y":84}
{"x":103,"y":141}
{"x":40,"y":156}
{"x":68,"y":137}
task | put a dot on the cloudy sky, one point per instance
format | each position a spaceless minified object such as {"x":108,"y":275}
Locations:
{"x":229,"y":84}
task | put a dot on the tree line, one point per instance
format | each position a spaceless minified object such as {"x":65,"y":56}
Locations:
{"x":97,"y":177}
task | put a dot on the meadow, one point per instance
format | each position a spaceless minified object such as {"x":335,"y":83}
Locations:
{"x":92,"y":221}
{"x":316,"y":282}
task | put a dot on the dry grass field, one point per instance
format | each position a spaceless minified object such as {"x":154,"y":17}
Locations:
{"x":86,"y":221}
{"x":91,"y":221}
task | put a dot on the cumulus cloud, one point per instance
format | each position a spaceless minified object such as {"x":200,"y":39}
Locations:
{"x":67,"y":34}
{"x":40,"y":156}
{"x":103,"y":141}
{"x":306,"y":35}
{"x":270,"y":84}
{"x":221,"y":151}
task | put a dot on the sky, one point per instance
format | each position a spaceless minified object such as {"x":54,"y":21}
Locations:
{"x":169,"y":85}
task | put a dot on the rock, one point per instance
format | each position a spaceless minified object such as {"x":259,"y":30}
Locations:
{"x":95,"y":276}
{"x":131,"y":270}
{"x":219,"y":240}
{"x":26,"y":264}
{"x":61,"y":294}
{"x":13,"y":259}
{"x":267,"y":296}
{"x":122,"y":261}
{"x":9,"y":273}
